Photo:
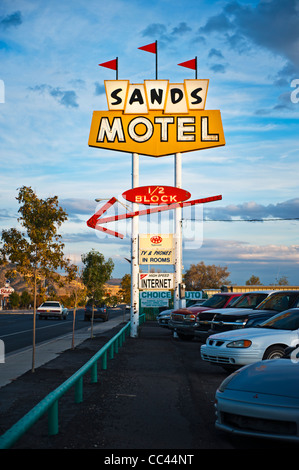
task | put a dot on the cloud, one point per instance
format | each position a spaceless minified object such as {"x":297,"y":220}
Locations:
{"x":13,"y":20}
{"x":67,"y":98}
{"x":5,"y":215}
{"x":239,"y":251}
{"x":252,"y":210}
{"x":217,"y":68}
{"x":272,"y":24}
{"x":99,"y":89}
{"x":181,"y":29}
{"x":154,"y":29}
{"x":269,"y":262}
{"x":164,"y":35}
{"x":78,"y":206}
{"x":284,"y":104}
{"x":217,"y":23}
{"x":215,"y":53}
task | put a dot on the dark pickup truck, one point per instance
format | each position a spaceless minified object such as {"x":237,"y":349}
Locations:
{"x":273,"y":304}
{"x":244,"y":303}
{"x":183,"y":320}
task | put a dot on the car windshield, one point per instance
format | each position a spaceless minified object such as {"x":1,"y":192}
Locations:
{"x":288,"y":320}
{"x":248,"y":300}
{"x":50,"y":304}
{"x":277,"y":302}
{"x":217,"y":301}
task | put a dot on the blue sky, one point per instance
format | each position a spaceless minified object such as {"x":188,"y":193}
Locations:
{"x":249,"y":50}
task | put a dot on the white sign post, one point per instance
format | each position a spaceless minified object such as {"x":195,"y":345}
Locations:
{"x":134,"y":254}
{"x":178,"y":235}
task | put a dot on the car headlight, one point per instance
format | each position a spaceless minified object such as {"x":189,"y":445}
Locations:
{"x":241,"y":343}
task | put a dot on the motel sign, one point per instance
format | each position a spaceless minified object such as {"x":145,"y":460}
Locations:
{"x":156,"y":118}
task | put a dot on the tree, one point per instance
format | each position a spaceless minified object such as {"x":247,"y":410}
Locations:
{"x":38,"y":253}
{"x":14,"y":300}
{"x":78,"y":293}
{"x":199,"y":276}
{"x":26,"y":299}
{"x":282,"y":281}
{"x":95,"y":273}
{"x":126,"y":288}
{"x":253,"y":281}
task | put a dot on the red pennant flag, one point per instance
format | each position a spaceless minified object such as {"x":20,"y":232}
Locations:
{"x":190,"y":64}
{"x":111,"y":64}
{"x":150,"y":48}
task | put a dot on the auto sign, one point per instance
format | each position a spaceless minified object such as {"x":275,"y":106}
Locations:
{"x":156,"y":195}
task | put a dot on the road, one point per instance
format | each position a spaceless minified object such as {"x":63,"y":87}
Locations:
{"x":16,"y":328}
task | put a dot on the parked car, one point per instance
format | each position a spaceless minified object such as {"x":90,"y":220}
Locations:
{"x":261,"y":400}
{"x":268,"y":340}
{"x":274,"y":303}
{"x":249,"y":300}
{"x":100,"y":311}
{"x":183,"y":320}
{"x":163,"y":318}
{"x":53,"y":309}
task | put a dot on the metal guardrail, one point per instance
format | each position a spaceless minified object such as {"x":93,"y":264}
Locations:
{"x":50,"y":402}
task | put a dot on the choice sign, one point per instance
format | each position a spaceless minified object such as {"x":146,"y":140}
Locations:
{"x":156,"y":118}
{"x":156,"y":195}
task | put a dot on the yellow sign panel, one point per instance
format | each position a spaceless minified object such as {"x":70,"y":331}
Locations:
{"x":156,"y":133}
{"x":156,"y":249}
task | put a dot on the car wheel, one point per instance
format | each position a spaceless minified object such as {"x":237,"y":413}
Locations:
{"x":274,"y":352}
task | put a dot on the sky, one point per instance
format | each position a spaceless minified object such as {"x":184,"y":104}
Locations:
{"x":50,"y":84}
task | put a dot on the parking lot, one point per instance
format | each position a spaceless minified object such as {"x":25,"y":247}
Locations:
{"x":156,"y":394}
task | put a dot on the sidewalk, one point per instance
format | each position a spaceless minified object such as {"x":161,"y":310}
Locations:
{"x":19,"y":362}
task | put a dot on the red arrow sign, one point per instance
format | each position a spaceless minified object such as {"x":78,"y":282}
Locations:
{"x":95,"y":221}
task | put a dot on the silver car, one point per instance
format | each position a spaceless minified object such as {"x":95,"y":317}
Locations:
{"x":163,"y":318}
{"x":261,"y":400}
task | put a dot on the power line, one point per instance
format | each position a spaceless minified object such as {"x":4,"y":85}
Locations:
{"x":245,"y":220}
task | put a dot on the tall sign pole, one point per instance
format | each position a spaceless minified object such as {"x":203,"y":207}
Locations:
{"x":154,"y":118}
{"x":134,"y":253}
{"x":178,"y":233}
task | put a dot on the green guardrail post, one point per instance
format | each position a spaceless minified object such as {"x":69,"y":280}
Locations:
{"x":79,"y":390}
{"x":53,"y":425}
{"x":111,"y":351}
{"x":94,"y":373}
{"x":104,"y":361}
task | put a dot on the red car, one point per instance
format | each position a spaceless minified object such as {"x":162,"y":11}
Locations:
{"x":182,"y":320}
